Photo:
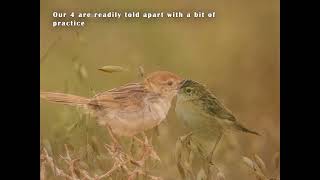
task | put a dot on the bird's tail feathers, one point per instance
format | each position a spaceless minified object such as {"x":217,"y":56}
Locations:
{"x":243,"y":129}
{"x":67,"y":99}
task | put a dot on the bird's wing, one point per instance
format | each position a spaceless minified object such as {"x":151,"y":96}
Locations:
{"x":215,"y":108}
{"x":129,"y":97}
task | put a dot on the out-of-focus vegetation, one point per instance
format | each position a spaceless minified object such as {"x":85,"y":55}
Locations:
{"x":236,"y":55}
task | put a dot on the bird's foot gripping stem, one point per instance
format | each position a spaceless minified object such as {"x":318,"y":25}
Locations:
{"x":115,"y":142}
{"x":148,"y":150}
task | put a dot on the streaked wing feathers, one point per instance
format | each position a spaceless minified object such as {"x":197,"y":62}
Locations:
{"x":215,"y":108}
{"x":128,"y":97}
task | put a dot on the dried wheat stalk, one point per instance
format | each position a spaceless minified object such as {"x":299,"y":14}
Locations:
{"x":121,"y":160}
{"x":258,"y":167}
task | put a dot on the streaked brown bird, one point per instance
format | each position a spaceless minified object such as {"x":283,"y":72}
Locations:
{"x":131,"y":108}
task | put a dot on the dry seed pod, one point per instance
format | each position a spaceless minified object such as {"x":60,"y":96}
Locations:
{"x":248,"y":162}
{"x":83,"y":73}
{"x":79,"y":68}
{"x":259,"y":162}
{"x":260,"y":175}
{"x":137,"y":163}
{"x":111,"y":69}
{"x":73,"y":126}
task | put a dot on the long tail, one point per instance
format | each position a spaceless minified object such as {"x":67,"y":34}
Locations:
{"x":67,"y":99}
{"x":243,"y":129}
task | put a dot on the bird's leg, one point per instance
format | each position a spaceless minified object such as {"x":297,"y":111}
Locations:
{"x":214,"y":148}
{"x":209,"y":164}
{"x":147,"y":148}
{"x":145,"y":138}
{"x":115,"y":141}
{"x":156,"y":130}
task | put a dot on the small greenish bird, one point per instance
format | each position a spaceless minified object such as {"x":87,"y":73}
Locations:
{"x":206,"y":117}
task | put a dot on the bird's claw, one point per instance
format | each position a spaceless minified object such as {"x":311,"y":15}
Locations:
{"x":148,"y":148}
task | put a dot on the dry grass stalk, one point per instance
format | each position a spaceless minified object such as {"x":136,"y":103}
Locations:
{"x":52,"y":45}
{"x":136,"y":173}
{"x":184,"y":158}
{"x":42,"y":169}
{"x":80,"y":69}
{"x":49,"y":161}
{"x":257,"y":166}
{"x":249,"y":162}
{"x":178,"y":155}
{"x":141,"y":71}
{"x":260,"y":163}
{"x":180,"y":149}
{"x":133,"y":168}
{"x":71,"y":163}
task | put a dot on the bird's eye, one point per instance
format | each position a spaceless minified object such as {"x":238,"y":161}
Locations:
{"x":188,"y":90}
{"x":170,"y":83}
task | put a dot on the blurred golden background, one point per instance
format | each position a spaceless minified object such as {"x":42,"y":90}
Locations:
{"x":236,"y":55}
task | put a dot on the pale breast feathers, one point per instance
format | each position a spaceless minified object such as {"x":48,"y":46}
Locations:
{"x":127,"y":109}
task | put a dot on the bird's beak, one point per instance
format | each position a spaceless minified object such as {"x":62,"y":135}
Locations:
{"x":181,"y":83}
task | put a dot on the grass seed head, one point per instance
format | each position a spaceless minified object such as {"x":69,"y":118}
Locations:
{"x":247,"y":161}
{"x":112,"y":69}
{"x":259,"y":162}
